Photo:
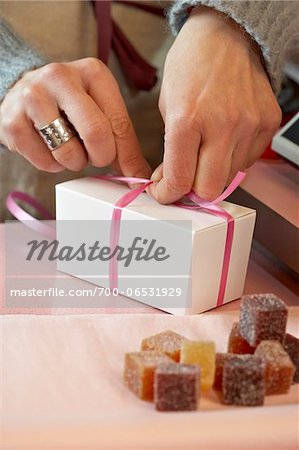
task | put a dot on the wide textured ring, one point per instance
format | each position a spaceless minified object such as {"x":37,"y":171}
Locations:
{"x":56,"y":133}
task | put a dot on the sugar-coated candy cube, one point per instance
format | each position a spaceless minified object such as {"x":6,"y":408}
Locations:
{"x":279,"y":367}
{"x":177,"y":387}
{"x":139,"y":372}
{"x":262,"y":317}
{"x":243,"y":381}
{"x":167,"y":342}
{"x":291,"y":346}
{"x":236,"y":342}
{"x":203,"y":354}
{"x":221,"y":358}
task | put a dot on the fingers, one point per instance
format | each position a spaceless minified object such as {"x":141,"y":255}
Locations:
{"x":104,"y":90}
{"x":214,"y":164}
{"x":85,"y":116}
{"x":42,"y":109}
{"x":179,"y":163}
{"x":21,"y":137}
{"x":247,"y":152}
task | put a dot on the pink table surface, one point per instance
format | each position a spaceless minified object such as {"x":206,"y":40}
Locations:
{"x":61,"y":378}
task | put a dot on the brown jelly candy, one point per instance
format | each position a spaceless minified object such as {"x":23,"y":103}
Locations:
{"x":139,"y":372}
{"x":177,"y":387}
{"x":279,"y":367}
{"x":167,"y":342}
{"x":262,"y":317}
{"x":243,"y":381}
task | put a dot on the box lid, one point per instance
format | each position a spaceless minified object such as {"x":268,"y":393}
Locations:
{"x":109,"y":192}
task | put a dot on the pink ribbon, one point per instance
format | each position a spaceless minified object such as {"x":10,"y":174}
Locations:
{"x":210,"y":207}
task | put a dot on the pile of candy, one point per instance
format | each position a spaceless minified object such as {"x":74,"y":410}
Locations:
{"x":262,"y":359}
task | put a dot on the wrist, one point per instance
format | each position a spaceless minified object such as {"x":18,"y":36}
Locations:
{"x":216,"y":22}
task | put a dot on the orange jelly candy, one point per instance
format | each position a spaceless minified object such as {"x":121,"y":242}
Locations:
{"x":291,"y":346}
{"x":236,"y":342}
{"x":167,"y":342}
{"x":140,"y":370}
{"x":279,"y":367}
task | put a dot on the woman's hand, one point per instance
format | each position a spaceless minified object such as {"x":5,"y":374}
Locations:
{"x":217,"y":105}
{"x":87,"y":93}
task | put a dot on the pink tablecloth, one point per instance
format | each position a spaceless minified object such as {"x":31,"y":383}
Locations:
{"x":62,"y":389}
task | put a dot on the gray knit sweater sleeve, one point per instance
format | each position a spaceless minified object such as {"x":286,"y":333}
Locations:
{"x":273,"y":24}
{"x":16,"y":57}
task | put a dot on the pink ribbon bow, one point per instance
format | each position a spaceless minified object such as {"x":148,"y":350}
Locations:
{"x":211,"y":207}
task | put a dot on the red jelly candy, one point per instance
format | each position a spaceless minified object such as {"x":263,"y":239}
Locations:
{"x":177,"y":387}
{"x":262,"y":317}
{"x":221,"y":358}
{"x":243,"y":381}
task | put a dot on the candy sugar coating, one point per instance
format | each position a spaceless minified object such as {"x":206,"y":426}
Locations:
{"x":262,"y":317}
{"x":279,"y":367}
{"x":167,"y":342}
{"x":291,"y":346}
{"x":203,"y":354}
{"x":139,"y":372}
{"x":177,"y":387}
{"x":221,"y":358}
{"x":243,"y":381}
{"x":237,"y":344}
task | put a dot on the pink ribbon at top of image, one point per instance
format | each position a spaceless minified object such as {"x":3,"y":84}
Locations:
{"x":211,"y":207}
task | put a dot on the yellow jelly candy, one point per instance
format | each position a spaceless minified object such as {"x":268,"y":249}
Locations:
{"x":203,"y":354}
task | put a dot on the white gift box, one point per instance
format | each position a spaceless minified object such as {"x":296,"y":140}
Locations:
{"x":90,"y":199}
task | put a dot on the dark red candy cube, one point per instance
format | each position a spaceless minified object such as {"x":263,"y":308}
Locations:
{"x":243,"y":381}
{"x":177,"y":387}
{"x":221,"y":358}
{"x":262,"y":317}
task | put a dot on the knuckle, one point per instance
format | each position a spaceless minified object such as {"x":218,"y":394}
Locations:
{"x":230,"y":120}
{"x":182,"y":121}
{"x":12,"y":126}
{"x":121,"y":125}
{"x":273,"y":121}
{"x":95,"y":68}
{"x":55,"y":70}
{"x":208,"y":194}
{"x":132,"y":162}
{"x":31,"y":94}
{"x":179,"y":184}
{"x":64,"y":155}
{"x":252,"y":121}
{"x":93,"y":63}
{"x":95,"y":132}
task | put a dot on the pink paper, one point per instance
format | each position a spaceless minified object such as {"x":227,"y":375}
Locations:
{"x":62,"y":389}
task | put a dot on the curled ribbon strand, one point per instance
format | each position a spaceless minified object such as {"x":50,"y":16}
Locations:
{"x":211,"y":207}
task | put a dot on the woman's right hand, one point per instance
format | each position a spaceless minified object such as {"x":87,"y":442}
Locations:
{"x":87,"y":93}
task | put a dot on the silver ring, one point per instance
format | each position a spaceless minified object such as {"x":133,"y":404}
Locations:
{"x":56,"y":133}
